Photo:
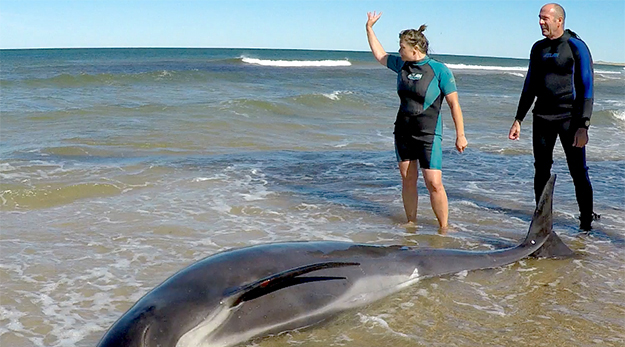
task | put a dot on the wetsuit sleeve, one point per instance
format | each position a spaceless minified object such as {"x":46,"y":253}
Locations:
{"x":447,"y":81}
{"x":528,"y":94}
{"x":583,"y":80}
{"x":394,"y":63}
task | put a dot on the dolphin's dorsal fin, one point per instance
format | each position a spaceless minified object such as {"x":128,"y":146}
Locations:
{"x":541,"y":227}
{"x":281,"y":280}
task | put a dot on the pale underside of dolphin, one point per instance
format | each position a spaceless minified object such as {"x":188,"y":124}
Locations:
{"x":233,"y":296}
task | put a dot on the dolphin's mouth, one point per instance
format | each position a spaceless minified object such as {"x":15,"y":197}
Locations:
{"x":144,"y":337}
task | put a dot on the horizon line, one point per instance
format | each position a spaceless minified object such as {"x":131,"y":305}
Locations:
{"x":599,"y":62}
{"x":254,"y":48}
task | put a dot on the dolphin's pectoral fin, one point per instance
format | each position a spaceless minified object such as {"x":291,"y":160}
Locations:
{"x":282,"y":280}
{"x":275,"y":286}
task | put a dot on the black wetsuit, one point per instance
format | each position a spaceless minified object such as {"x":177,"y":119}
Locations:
{"x":560,"y":78}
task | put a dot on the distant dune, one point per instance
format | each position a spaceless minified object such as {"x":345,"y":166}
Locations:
{"x":609,"y":63}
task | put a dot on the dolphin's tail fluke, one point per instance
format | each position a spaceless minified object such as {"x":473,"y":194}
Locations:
{"x":542,"y":226}
{"x":553,"y":248}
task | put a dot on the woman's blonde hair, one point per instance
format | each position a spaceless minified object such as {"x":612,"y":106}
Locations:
{"x":416,"y":39}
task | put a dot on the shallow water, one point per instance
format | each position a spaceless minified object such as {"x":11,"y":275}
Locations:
{"x":120,"y":167}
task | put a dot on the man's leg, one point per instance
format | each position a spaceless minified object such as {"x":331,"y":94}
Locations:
{"x":543,"y":140}
{"x":576,"y":160}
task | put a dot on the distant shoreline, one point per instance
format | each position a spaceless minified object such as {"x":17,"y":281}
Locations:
{"x":608,"y":63}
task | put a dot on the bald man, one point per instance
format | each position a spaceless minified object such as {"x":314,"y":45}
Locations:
{"x":560,"y":79}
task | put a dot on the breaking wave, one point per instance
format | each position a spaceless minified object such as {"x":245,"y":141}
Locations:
{"x":296,"y":63}
{"x":486,"y":67}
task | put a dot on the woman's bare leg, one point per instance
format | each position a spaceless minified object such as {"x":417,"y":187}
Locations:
{"x":409,"y":174}
{"x":438,"y":196}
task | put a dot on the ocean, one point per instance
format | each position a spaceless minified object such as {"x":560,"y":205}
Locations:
{"x":119,"y":167}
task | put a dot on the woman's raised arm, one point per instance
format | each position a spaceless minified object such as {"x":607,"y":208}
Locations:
{"x":376,"y":47}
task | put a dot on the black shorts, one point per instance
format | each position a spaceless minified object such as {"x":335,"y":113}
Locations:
{"x":429,"y":154}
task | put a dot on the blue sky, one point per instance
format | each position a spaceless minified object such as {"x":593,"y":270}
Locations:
{"x":502,"y":28}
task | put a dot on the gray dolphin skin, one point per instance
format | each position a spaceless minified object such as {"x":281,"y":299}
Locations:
{"x":233,"y":296}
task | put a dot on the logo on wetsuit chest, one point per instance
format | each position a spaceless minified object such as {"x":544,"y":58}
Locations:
{"x":551,"y":55}
{"x":415,"y":76}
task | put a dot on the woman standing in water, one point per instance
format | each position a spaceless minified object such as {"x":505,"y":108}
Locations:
{"x":422,"y":83}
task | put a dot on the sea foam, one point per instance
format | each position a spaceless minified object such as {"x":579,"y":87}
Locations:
{"x":486,"y":67}
{"x":619,"y":114}
{"x":296,"y":63}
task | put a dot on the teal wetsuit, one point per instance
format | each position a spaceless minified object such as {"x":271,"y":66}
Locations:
{"x":421,"y":86}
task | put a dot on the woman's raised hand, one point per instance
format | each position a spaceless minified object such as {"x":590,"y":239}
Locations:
{"x":372,"y":18}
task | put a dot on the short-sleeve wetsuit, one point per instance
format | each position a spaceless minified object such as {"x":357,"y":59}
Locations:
{"x":560,"y":78}
{"x":421,"y":85}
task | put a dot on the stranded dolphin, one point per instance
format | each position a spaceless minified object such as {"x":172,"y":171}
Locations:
{"x":233,"y":296}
